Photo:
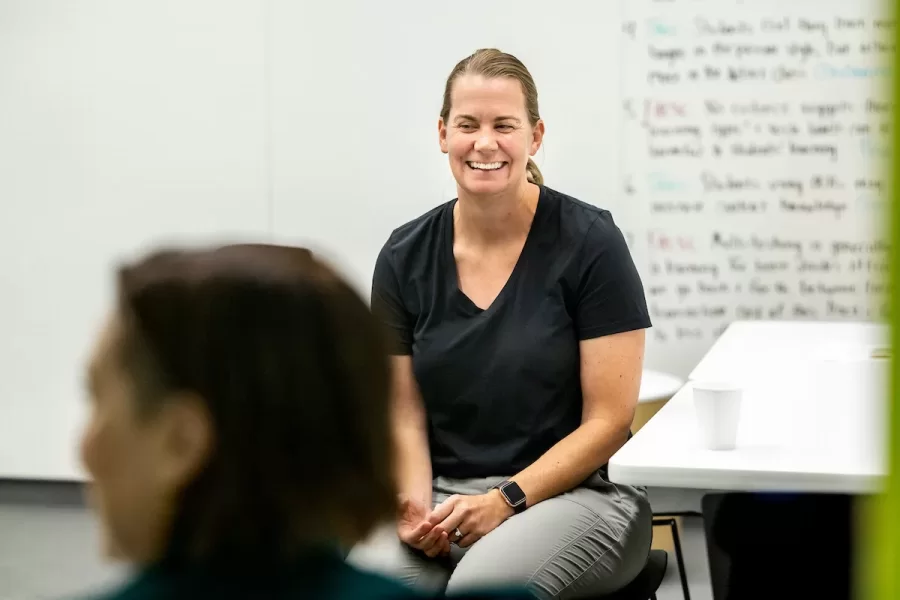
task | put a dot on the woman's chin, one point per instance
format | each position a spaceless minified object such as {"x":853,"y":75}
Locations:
{"x":485,"y":187}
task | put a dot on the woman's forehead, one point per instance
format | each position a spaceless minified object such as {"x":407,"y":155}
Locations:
{"x":502,"y":96}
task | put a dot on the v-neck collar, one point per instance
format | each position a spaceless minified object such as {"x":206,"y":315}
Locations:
{"x":460,"y":299}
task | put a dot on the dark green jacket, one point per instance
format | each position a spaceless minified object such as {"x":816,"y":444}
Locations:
{"x":319,"y":576}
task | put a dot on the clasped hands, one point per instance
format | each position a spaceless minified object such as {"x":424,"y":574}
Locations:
{"x":433,"y":531}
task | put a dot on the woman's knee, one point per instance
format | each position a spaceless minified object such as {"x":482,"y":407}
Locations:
{"x":625,"y":542}
{"x":627,"y":555}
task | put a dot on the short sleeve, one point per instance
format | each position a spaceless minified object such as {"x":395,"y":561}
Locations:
{"x":387,"y":303}
{"x":610,"y":295}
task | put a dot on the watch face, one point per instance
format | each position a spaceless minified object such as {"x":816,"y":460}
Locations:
{"x":513,"y":493}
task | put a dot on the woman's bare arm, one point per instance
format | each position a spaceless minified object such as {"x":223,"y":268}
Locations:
{"x":410,"y":434}
{"x":610,"y":379}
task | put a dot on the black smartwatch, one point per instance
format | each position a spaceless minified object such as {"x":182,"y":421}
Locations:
{"x":513,"y":495}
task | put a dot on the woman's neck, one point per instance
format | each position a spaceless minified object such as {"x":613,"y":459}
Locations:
{"x":495,"y":220}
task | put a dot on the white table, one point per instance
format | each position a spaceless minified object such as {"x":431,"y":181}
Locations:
{"x":749,"y":348}
{"x":812,"y":415}
{"x":656,"y":385}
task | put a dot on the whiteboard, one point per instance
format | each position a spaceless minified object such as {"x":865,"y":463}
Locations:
{"x":753,"y":139}
{"x":126,"y":125}
{"x":122,"y":125}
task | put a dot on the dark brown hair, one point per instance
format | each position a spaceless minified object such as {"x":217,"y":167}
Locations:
{"x":492,"y":63}
{"x":294,"y":373}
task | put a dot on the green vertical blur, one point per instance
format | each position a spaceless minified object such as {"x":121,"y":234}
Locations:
{"x":880,"y":553}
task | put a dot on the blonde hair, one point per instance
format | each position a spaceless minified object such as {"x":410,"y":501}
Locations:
{"x":492,"y":63}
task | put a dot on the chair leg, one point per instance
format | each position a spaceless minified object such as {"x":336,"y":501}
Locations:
{"x":679,"y":557}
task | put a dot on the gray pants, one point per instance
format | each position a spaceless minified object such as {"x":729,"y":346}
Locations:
{"x":587,"y":542}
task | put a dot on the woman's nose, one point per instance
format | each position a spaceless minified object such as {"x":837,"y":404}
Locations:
{"x":485,"y":141}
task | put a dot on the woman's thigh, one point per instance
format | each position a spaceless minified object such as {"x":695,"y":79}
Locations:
{"x":385,"y":554}
{"x":587,"y":542}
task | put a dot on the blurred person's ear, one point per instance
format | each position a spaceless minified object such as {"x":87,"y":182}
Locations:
{"x":185,"y":440}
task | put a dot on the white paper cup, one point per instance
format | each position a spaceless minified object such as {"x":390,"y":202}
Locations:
{"x":718,"y":408}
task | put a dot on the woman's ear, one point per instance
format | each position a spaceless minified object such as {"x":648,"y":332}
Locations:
{"x":537,"y":137}
{"x":442,"y":135}
{"x":186,"y":439}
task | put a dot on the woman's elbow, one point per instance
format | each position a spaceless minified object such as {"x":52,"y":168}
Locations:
{"x":616,"y":424}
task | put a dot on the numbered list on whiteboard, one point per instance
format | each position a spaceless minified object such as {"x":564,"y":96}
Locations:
{"x":755,"y":142}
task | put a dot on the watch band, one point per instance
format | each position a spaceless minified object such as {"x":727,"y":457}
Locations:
{"x":513,"y":495}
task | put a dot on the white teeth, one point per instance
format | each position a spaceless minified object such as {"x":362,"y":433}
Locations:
{"x":486,"y":166}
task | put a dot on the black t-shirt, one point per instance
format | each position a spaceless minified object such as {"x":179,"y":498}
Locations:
{"x":501,"y":385}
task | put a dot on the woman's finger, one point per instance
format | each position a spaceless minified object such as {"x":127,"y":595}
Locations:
{"x":412,"y":537}
{"x":438,"y":547}
{"x":452,"y":522}
{"x":468,"y":540}
{"x":431,"y":538}
{"x":421,"y":530}
{"x":442,"y":510}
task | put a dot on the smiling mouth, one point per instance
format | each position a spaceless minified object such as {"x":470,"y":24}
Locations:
{"x":491,"y":166}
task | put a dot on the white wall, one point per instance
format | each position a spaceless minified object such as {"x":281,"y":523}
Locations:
{"x":122,"y":124}
{"x":128,"y":124}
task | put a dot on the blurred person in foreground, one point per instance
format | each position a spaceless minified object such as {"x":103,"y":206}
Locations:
{"x":239,"y":427}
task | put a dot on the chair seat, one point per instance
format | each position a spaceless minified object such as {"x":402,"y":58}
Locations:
{"x":644,"y":586}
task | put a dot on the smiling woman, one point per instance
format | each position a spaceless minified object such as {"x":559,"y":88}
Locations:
{"x":493,"y":91}
{"x":517,"y":320}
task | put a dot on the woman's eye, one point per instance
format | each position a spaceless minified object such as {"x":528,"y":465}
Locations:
{"x":467,"y":126}
{"x":505,"y":127}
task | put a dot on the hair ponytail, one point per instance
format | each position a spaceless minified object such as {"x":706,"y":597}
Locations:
{"x":534,"y":174}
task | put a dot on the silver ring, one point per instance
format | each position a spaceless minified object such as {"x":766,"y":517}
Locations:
{"x":458,"y":533}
